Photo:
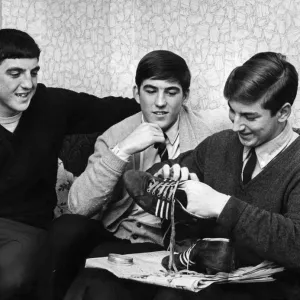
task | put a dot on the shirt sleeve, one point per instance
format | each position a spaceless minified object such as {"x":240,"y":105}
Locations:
{"x":121,"y":154}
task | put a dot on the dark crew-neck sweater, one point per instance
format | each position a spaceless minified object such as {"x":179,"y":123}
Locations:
{"x":28,"y":157}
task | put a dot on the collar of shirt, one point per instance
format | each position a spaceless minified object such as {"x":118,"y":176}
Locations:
{"x":268,"y":151}
{"x":171,"y":133}
{"x":9,"y":120}
{"x":10,"y":123}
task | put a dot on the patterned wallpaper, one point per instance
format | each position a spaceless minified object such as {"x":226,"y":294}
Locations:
{"x":94,"y":45}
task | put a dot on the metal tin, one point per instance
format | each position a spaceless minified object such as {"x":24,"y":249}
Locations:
{"x":120,"y":259}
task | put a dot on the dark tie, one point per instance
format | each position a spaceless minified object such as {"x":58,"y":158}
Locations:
{"x":162,"y":150}
{"x":250,"y":166}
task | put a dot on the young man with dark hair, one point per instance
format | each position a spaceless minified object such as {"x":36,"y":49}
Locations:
{"x":164,"y":128}
{"x":33,"y":122}
{"x":247,"y":180}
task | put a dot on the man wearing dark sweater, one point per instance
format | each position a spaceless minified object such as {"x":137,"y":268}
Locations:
{"x":33,"y":122}
{"x":256,"y":207}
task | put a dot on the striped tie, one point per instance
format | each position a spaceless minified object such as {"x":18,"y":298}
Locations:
{"x":162,"y":150}
{"x":250,"y":166}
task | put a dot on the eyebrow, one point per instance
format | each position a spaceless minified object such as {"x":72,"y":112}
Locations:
{"x":37,"y":68}
{"x":250,"y":113}
{"x":155,"y":87}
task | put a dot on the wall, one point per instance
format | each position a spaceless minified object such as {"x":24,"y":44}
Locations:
{"x":94,"y":45}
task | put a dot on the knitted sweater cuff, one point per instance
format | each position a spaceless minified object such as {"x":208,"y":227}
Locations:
{"x":115,"y":163}
{"x":231,"y":213}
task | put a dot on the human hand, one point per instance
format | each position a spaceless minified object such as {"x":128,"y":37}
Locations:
{"x":141,"y":138}
{"x":203,"y":200}
{"x":176,"y":172}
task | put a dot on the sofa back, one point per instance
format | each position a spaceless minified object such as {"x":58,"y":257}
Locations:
{"x":74,"y":156}
{"x":76,"y":150}
{"x":72,"y":161}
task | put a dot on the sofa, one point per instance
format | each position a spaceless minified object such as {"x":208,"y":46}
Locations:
{"x":72,"y":161}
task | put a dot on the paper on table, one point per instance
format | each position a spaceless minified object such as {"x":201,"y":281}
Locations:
{"x":147,"y":268}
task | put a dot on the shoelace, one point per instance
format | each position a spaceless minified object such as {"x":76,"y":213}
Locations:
{"x":165,"y":192}
{"x":184,"y":257}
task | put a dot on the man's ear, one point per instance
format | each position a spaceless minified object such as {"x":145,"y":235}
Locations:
{"x":136,"y":96}
{"x":186,"y":96}
{"x":284,"y":112}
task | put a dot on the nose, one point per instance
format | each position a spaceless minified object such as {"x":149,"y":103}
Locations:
{"x":237,"y":124}
{"x":27,"y":81}
{"x":160,"y":100}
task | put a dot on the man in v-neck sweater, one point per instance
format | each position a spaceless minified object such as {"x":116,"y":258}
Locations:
{"x":33,"y":122}
{"x":258,"y":210}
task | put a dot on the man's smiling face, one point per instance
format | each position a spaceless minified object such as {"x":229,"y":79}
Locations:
{"x":254,"y":124}
{"x":18,"y":82}
{"x":160,"y":101}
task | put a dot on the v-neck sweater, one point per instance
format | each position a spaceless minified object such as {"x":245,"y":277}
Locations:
{"x":262,"y":217}
{"x":29,"y":155}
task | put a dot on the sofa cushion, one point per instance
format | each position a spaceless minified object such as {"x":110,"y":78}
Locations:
{"x":297,"y":130}
{"x":63,"y":184}
{"x":74,"y":156}
{"x":73,"y":159}
{"x":76,"y":150}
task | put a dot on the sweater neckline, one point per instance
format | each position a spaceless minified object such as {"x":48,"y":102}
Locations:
{"x":271,"y":164}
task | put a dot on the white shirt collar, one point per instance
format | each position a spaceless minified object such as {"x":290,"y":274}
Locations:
{"x":10,"y":123}
{"x":268,"y":151}
{"x":9,"y":120}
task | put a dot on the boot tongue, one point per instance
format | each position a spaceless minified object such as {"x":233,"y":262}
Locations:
{"x":180,"y":196}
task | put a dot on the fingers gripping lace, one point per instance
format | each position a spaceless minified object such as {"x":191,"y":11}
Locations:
{"x":164,"y":192}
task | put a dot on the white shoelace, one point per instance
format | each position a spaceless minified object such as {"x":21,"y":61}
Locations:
{"x":165,"y":192}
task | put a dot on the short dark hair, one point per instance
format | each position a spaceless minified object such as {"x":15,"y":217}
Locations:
{"x":15,"y":43}
{"x":266,"y":76}
{"x":163,"y":65}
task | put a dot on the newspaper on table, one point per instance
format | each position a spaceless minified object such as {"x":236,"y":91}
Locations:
{"x":147,"y":268}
